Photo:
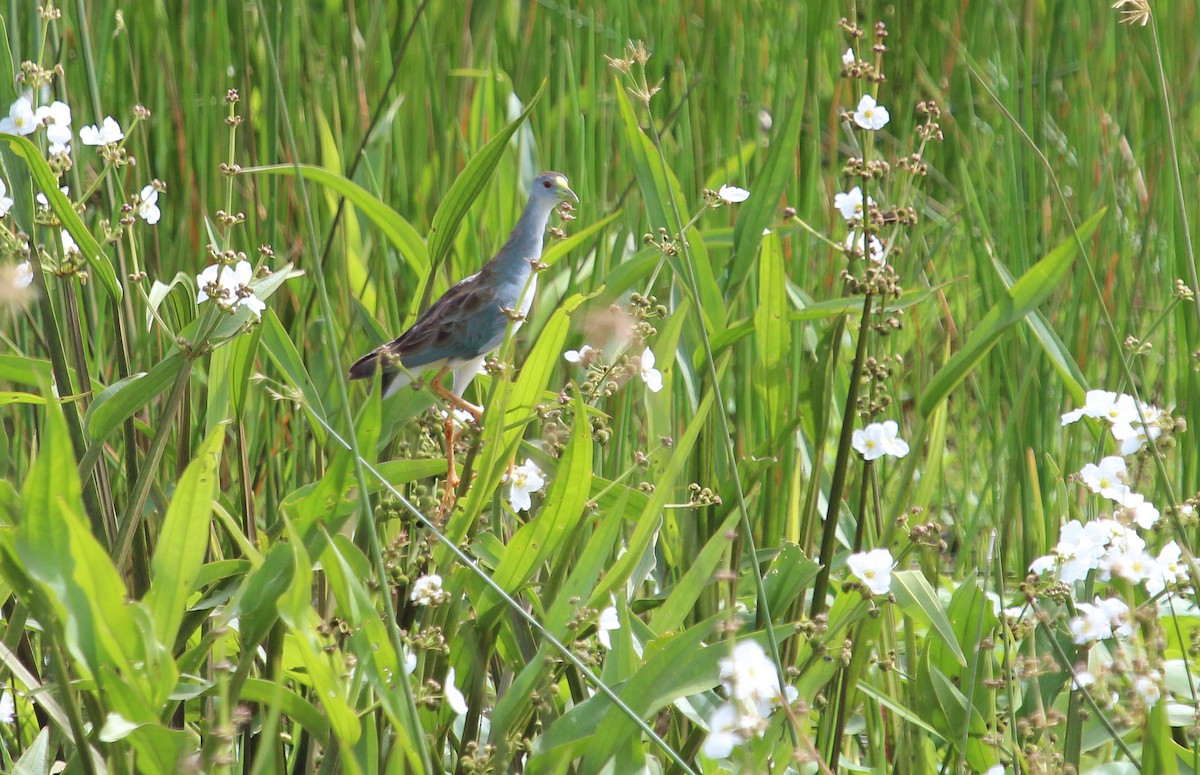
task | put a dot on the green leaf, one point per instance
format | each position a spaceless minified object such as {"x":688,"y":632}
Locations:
{"x":24,"y":370}
{"x":674,"y":668}
{"x":184,"y":540}
{"x":662,"y":196}
{"x":295,"y":707}
{"x":469,"y":184}
{"x":507,"y":416}
{"x":918,"y":600}
{"x":544,"y":535}
{"x":790,"y":574}
{"x":759,"y":210}
{"x":559,"y":248}
{"x":283,"y":353}
{"x":651,"y":517}
{"x":55,"y":544}
{"x":120,"y":400}
{"x":36,"y":759}
{"x":10,"y":397}
{"x":773,"y":335}
{"x":1025,"y":295}
{"x":396,"y":229}
{"x":99,"y":263}
{"x":673,"y":613}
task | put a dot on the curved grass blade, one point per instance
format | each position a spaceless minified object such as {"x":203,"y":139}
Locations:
{"x":395,"y":227}
{"x":1025,"y":295}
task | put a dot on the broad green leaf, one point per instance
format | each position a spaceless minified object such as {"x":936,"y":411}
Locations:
{"x":919,"y":600}
{"x":54,"y":542}
{"x":283,"y":353}
{"x":789,"y":575}
{"x":24,"y":371}
{"x":99,"y":263}
{"x":662,"y":196}
{"x":559,"y":248}
{"x":1022,"y":298}
{"x":36,"y":759}
{"x":546,"y":533}
{"x":760,"y":209}
{"x":10,"y":397}
{"x":959,"y":714}
{"x":398,"y":231}
{"x":673,"y":613}
{"x":120,"y":400}
{"x":295,"y":707}
{"x":184,"y":540}
{"x":773,"y":335}
{"x":674,"y":668}
{"x":469,"y":184}
{"x":506,"y":418}
{"x":651,"y":517}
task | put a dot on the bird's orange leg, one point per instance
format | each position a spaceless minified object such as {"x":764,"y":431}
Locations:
{"x":458,"y":402}
{"x":452,"y":480}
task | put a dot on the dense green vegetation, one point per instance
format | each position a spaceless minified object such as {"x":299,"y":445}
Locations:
{"x":851,"y":531}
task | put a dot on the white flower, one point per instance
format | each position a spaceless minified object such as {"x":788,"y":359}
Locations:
{"x":1079,"y":550}
{"x":254,"y":304}
{"x":57,"y":118}
{"x":857,"y":241}
{"x":410,"y":661}
{"x":526,"y":479}
{"x":608,"y":622}
{"x":147,"y":206}
{"x":42,"y":200}
{"x":1082,"y":680}
{"x":427,"y":590}
{"x":8,"y":708}
{"x":1139,"y":510}
{"x":229,"y":287}
{"x":1090,"y":625}
{"x":733,"y":195}
{"x":21,"y":119}
{"x":870,"y":114}
{"x":650,"y":375}
{"x":850,"y":203}
{"x":879,"y":439}
{"x":1107,"y":478}
{"x":749,"y":674}
{"x":107,"y":133}
{"x":1148,"y":687}
{"x":724,"y":733}
{"x":455,"y":698}
{"x":1118,"y":615}
{"x":6,"y":201}
{"x":1168,"y":570}
{"x":213,"y":283}
{"x":1133,"y":434}
{"x":873,"y":568}
{"x":582,"y":356}
{"x":24,"y":276}
{"x":68,"y":243}
{"x":848,"y":58}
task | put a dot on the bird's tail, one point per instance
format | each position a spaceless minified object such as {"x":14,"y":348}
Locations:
{"x":393,"y":379}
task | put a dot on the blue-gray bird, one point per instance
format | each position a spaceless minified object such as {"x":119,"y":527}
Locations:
{"x":471,"y":319}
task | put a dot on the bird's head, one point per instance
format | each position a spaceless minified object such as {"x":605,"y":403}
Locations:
{"x":553,"y":186}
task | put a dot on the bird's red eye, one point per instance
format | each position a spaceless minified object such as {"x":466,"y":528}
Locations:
{"x":545,"y":184}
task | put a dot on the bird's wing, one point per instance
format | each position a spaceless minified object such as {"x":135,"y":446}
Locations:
{"x":459,"y":326}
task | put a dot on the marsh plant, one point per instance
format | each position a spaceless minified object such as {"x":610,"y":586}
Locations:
{"x":849,"y":429}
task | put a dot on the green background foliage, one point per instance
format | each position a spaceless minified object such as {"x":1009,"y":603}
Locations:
{"x":196,"y":572}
